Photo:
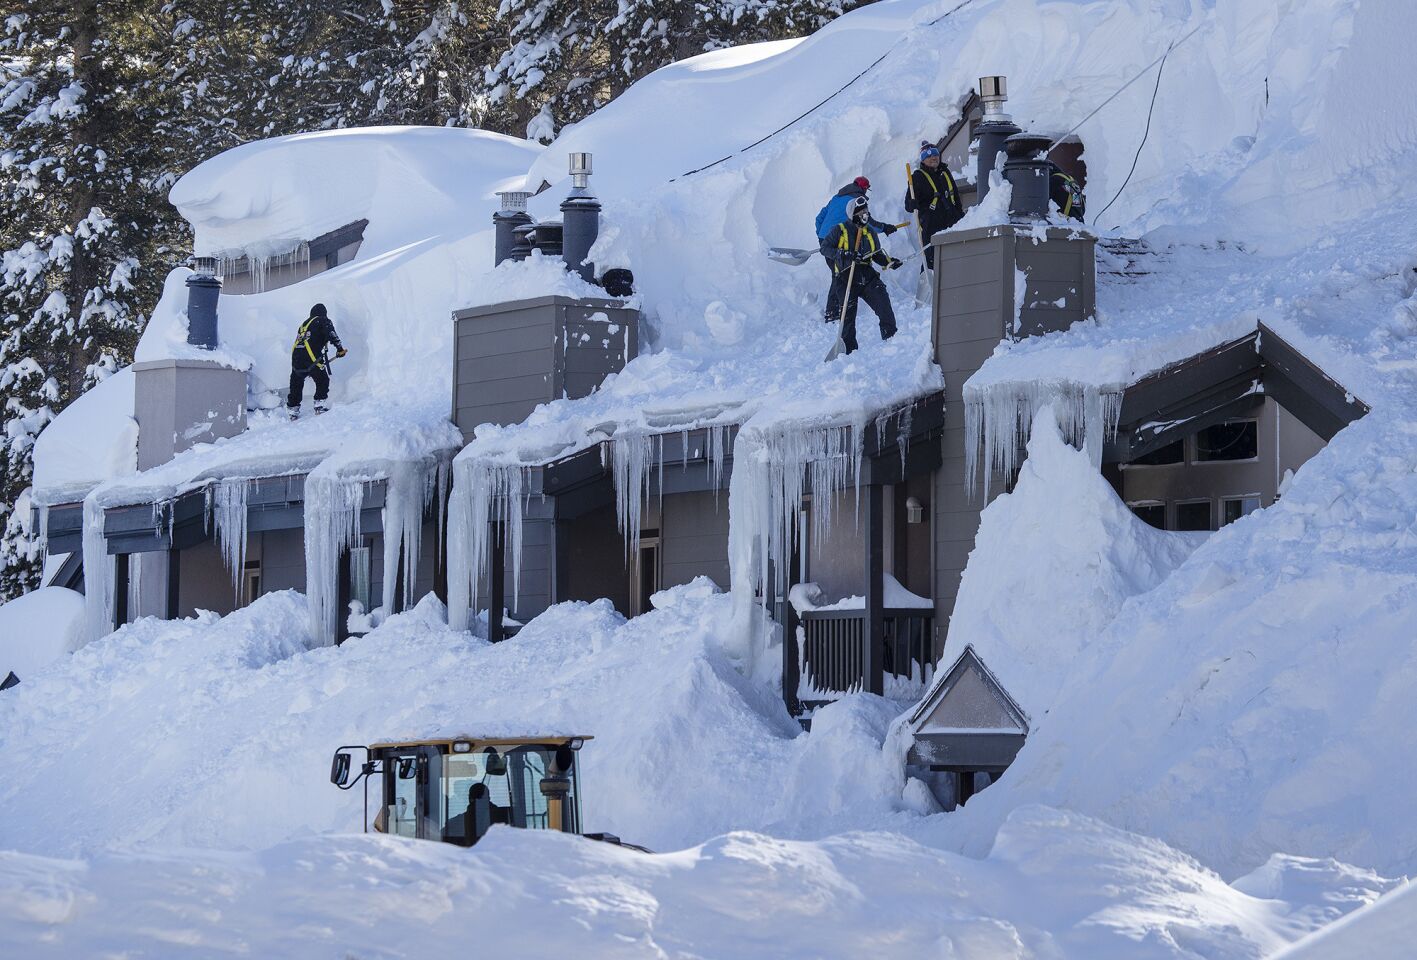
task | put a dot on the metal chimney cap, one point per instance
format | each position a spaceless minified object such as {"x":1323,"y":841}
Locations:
{"x":204,"y":266}
{"x":993,"y":92}
{"x":514,"y":201}
{"x":580,"y":165}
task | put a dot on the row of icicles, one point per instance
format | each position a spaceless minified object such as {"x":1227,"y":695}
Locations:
{"x":773,"y":471}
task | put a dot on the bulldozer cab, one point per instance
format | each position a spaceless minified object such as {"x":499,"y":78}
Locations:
{"x":454,"y":790}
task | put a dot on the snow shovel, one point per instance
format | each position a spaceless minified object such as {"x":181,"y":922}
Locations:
{"x":839,"y":347}
{"x":791,"y":256}
{"x":795,"y":256}
{"x":910,"y":187}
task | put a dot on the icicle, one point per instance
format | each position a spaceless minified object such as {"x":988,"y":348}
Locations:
{"x":332,"y":506}
{"x":772,"y":471}
{"x":632,"y":456}
{"x":226,"y":510}
{"x":409,"y":491}
{"x":999,"y":418}
{"x":716,"y":446}
{"x":484,"y":492}
{"x":98,"y":573}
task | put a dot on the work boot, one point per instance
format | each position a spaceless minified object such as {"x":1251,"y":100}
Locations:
{"x":292,"y":413}
{"x":321,"y":406}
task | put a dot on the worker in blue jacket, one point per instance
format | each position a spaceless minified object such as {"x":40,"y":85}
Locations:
{"x":833,"y":214}
{"x":855,"y":244}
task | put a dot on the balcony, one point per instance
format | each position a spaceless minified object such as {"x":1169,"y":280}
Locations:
{"x":832,"y":661}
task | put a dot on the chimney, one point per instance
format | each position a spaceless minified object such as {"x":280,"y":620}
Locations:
{"x":203,"y":290}
{"x":993,"y":129}
{"x":580,"y":218}
{"x":512,"y":215}
{"x":1027,"y":171}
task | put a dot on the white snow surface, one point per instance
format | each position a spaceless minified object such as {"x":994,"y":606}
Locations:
{"x":235,"y":718}
{"x":1030,"y":613}
{"x":1055,"y":885}
{"x":1383,"y":930}
{"x":95,"y":438}
{"x":39,"y":628}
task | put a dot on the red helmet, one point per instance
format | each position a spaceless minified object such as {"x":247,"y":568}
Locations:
{"x":863,"y":183}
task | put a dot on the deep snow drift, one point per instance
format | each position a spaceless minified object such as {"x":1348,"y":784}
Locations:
{"x":1055,"y":885}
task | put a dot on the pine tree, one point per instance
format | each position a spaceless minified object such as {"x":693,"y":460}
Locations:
{"x":79,"y":183}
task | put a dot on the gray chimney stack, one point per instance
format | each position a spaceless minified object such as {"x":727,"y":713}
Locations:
{"x":1027,"y":170}
{"x":993,"y":129}
{"x":203,"y":291}
{"x":506,"y":220}
{"x":580,"y":218}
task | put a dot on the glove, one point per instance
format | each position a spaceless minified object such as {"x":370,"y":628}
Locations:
{"x":864,"y":257}
{"x":888,"y":229}
{"x":341,"y":352}
{"x":934,"y":203}
{"x":894,"y":264}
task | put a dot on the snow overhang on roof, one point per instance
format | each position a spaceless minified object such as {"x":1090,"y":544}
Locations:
{"x":1223,"y":382}
{"x":969,"y":721}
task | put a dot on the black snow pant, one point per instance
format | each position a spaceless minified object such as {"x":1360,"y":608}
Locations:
{"x":928,"y":247}
{"x":298,"y":374}
{"x":832,"y":313}
{"x":868,"y":287}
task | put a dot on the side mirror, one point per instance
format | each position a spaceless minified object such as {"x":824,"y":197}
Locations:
{"x":406,"y":768}
{"x":339,"y":768}
{"x":562,"y":760}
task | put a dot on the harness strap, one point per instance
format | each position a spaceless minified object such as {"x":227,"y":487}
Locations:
{"x":302,"y":339}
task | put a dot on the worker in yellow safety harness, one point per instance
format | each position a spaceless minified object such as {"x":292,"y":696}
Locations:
{"x":308,"y":359}
{"x":854,"y":250}
{"x":934,"y":197}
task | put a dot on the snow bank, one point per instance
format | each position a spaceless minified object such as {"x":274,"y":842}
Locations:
{"x":1383,"y":930}
{"x":39,"y":628}
{"x":1053,"y":563}
{"x":236,"y":719}
{"x":1056,"y":885}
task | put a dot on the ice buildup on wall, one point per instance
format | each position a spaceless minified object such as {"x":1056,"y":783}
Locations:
{"x":999,"y":417}
{"x":332,"y":506}
{"x":226,"y":506}
{"x":484,"y":492}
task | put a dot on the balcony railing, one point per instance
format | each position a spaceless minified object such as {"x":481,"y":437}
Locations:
{"x":831,"y":653}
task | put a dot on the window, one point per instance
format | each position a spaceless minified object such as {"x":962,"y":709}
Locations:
{"x":1162,"y":456}
{"x":1150,"y":511}
{"x":1231,"y":440}
{"x":250,"y":582}
{"x":1234,"y":508}
{"x":646,"y":572}
{"x":359,"y":562}
{"x":1193,"y":515}
{"x":403,"y":811}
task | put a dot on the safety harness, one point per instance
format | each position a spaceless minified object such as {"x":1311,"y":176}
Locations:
{"x":949,"y":182}
{"x":302,"y":339}
{"x":1074,"y":191}
{"x":841,"y":243}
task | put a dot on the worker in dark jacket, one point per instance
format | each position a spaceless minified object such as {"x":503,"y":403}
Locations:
{"x":834,"y":214}
{"x":308,"y":358}
{"x":856,"y":244}
{"x":934,"y":197}
{"x":1066,"y":193}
